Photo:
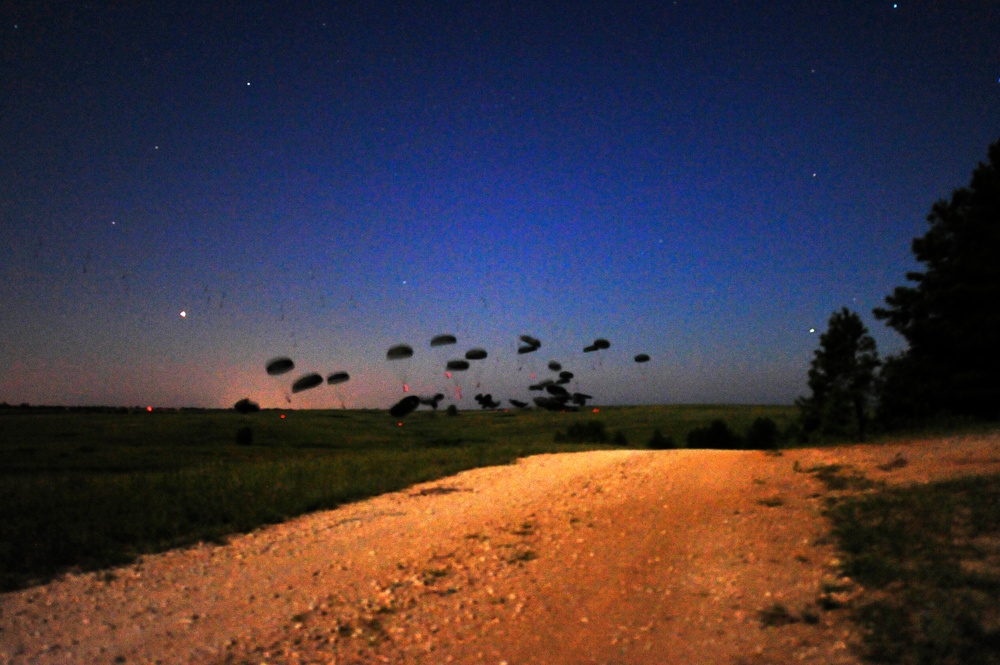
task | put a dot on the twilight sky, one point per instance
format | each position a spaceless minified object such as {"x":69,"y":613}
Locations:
{"x":700,"y":181}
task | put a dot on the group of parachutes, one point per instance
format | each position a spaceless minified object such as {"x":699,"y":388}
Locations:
{"x":555,"y":396}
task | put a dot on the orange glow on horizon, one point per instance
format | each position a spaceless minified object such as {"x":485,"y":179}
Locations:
{"x":149,"y":408}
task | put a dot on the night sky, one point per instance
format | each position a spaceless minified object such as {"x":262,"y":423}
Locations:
{"x":702,"y":181}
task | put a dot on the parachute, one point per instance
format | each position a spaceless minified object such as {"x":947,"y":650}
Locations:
{"x":486,"y":401}
{"x":642,"y":358}
{"x":433,"y":400}
{"x":443,"y":340}
{"x":338,"y":377}
{"x":475,"y":354}
{"x":530,"y":344}
{"x":399,"y":352}
{"x":518,"y":403}
{"x":306,"y":382}
{"x":602,"y":343}
{"x":554,"y":366}
{"x":405,"y":406}
{"x":279,"y":365}
{"x":457,"y":365}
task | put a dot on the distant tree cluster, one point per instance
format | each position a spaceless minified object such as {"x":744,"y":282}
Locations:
{"x":246,"y":405}
{"x":762,"y":435}
{"x":949,"y":317}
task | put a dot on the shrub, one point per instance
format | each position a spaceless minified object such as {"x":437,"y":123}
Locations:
{"x":591,"y":431}
{"x":452,"y":410}
{"x":619,"y":439}
{"x":717,"y":435}
{"x":660,"y":442}
{"x":245,"y":405}
{"x":763,"y":434}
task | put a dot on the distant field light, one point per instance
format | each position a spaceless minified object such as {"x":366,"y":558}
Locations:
{"x":149,"y":408}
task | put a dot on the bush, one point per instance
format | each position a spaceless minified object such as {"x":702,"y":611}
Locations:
{"x":717,"y":435}
{"x":246,"y":406}
{"x":660,"y":442}
{"x":589,"y":432}
{"x":452,"y":410}
{"x":763,"y":435}
{"x":620,"y":439}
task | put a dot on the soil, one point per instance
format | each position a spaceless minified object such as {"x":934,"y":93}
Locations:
{"x":600,"y":557}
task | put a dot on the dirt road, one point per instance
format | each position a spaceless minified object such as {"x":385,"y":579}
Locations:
{"x":602,"y":557}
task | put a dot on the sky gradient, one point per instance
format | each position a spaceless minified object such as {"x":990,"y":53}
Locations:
{"x":704,"y":182}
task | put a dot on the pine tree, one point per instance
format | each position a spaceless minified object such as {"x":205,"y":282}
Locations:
{"x":841,"y":378}
{"x":950,"y":317}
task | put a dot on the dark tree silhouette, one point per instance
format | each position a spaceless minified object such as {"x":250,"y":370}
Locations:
{"x":841,"y":378}
{"x":951,"y":314}
{"x":245,"y":405}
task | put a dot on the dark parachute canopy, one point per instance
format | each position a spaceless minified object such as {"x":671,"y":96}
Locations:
{"x":306,"y":382}
{"x":642,"y":358}
{"x":433,"y":400}
{"x":457,"y":365}
{"x":554,"y":366}
{"x":405,"y":406}
{"x":475,"y":354}
{"x":518,"y":403}
{"x":599,"y":345}
{"x":486,"y":401}
{"x":338,"y":377}
{"x":280,"y":365}
{"x":557,"y":390}
{"x":443,"y":340}
{"x":565,"y":377}
{"x":399,"y":352}
{"x":530,"y":344}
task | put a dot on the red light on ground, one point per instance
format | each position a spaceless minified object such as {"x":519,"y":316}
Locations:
{"x":282,"y":416}
{"x":596,"y":410}
{"x":406,"y":388}
{"x":149,"y":408}
{"x":399,"y":424}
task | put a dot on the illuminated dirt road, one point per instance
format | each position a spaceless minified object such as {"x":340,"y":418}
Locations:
{"x":602,"y":557}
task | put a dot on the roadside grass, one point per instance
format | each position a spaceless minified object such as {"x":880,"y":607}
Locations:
{"x":928,"y":558}
{"x":84,"y":491}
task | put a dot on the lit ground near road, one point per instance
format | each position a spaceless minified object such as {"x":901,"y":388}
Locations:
{"x":598,"y":557}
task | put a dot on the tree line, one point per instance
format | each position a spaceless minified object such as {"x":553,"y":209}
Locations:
{"x":949,"y":315}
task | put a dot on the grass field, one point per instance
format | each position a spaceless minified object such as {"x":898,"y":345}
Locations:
{"x":82,"y":491}
{"x":928,"y":556}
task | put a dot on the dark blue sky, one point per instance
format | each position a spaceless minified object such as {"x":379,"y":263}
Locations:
{"x":700,"y":181}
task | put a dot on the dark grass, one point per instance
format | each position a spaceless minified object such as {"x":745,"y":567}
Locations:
{"x":84,"y":491}
{"x":929,"y":557}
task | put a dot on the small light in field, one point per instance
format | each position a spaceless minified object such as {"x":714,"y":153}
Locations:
{"x":183,"y":314}
{"x":812,"y":330}
{"x":149,"y":408}
{"x":399,"y":424}
{"x":282,"y":416}
{"x":406,"y":387}
{"x":596,"y":410}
